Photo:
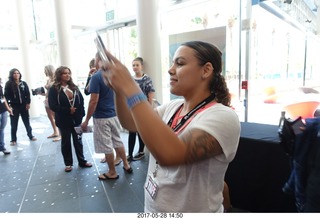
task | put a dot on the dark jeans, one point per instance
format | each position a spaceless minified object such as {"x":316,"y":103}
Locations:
{"x":17,"y":111}
{"x":297,"y":181}
{"x":132,"y":142}
{"x":3,"y":123}
{"x":66,"y":150}
{"x":313,"y":182}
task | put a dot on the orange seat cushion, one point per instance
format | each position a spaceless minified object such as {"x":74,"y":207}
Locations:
{"x":303,"y":109}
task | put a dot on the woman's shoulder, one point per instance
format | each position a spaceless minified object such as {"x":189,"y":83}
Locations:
{"x":221,"y":112}
{"x":53,"y":88}
{"x":146,"y":77}
{"x":219,"y":107}
{"x":8,"y":83}
{"x":171,"y":105}
{"x":173,"y":102}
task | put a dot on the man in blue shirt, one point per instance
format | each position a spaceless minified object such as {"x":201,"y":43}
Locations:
{"x":106,"y":134}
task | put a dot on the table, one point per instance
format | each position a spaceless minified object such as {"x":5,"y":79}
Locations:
{"x":259,"y":170}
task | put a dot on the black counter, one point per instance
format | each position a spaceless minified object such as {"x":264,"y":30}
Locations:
{"x":259,"y":170}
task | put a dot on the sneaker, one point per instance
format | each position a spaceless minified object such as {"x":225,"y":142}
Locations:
{"x":138,"y":156}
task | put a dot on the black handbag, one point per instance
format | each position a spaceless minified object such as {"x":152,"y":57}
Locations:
{"x":288,"y":130}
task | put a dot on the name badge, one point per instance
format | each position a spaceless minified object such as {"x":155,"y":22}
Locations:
{"x":151,"y":187}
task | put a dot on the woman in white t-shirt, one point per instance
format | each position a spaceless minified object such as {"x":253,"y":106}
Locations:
{"x":191,"y":140}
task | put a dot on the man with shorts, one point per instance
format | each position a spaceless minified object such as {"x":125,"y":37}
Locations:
{"x":106,"y":132}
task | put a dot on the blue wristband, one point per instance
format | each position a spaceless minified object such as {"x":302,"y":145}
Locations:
{"x":136,"y":99}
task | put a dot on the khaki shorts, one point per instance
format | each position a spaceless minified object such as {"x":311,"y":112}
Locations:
{"x":106,"y":135}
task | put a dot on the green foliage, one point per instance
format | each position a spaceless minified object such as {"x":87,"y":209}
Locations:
{"x":197,"y":20}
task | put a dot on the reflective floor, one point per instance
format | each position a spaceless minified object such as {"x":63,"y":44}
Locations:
{"x":33,"y":179}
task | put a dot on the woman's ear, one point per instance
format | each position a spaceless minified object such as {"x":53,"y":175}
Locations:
{"x":207,"y":70}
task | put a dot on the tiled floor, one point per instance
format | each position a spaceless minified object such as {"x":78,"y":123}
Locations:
{"x":33,"y":180}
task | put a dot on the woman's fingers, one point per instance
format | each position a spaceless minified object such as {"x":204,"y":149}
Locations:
{"x":118,"y":76}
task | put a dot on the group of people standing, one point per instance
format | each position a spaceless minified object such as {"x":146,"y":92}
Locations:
{"x":191,"y":140}
{"x":64,"y":105}
{"x":107,"y":139}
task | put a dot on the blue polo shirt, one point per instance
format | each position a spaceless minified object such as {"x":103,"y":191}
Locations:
{"x":105,"y":107}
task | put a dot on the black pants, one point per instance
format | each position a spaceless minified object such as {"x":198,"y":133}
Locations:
{"x":132,"y":142}
{"x":14,"y":119}
{"x":66,"y":150}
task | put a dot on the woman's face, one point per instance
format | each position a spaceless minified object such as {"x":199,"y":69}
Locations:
{"x":65,"y":76}
{"x":16,"y":75}
{"x":185,"y":72}
{"x":137,"y":67}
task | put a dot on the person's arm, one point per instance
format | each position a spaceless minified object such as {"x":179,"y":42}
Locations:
{"x":123,"y":112}
{"x":150,"y":98}
{"x":94,"y":98}
{"x":86,"y":87}
{"x":27,"y":93}
{"x":149,"y":90}
{"x":7,"y":106}
{"x":7,"y":91}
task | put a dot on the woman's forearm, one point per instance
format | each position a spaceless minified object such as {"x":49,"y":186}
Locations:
{"x":159,"y":138}
{"x":124,"y":113}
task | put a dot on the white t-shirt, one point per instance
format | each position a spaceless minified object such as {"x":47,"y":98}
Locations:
{"x":196,"y":187}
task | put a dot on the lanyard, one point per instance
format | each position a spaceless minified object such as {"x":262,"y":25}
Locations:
{"x":186,"y":119}
{"x":189,"y":114}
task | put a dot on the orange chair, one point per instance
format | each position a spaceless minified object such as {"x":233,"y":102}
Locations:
{"x":304,"y":109}
{"x":271,"y":98}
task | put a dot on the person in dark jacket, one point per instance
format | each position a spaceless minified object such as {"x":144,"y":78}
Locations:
{"x":4,"y":108}
{"x":66,"y":100}
{"x":17,"y":94}
{"x":91,"y":72}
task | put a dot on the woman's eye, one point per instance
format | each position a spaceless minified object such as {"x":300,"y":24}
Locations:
{"x":179,"y":63}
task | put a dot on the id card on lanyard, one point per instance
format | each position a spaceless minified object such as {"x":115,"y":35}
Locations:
{"x":151,"y":187}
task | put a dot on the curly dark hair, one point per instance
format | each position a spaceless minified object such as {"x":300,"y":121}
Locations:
{"x":57,"y":79}
{"x":206,"y":52}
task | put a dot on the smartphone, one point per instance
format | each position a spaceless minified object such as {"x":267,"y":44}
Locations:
{"x":101,"y":49}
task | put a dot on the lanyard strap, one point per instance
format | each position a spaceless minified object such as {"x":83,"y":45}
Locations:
{"x":198,"y":111}
{"x":189,"y":114}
